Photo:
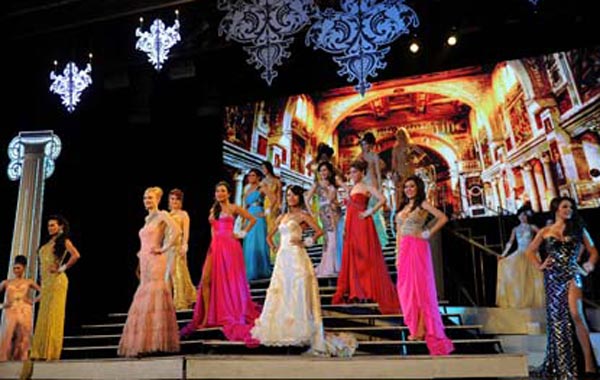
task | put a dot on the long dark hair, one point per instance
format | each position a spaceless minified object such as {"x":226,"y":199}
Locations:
{"x":573,"y":226}
{"x":60,"y":241}
{"x":216,"y":208}
{"x":269,"y":167}
{"x":296,"y":190}
{"x":419,"y":198}
{"x":331,"y":177}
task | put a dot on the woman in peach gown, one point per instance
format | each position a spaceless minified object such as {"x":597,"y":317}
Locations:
{"x":151,"y":324}
{"x":223,"y":293}
{"x":17,"y":326}
{"x":184,"y":291}
{"x":49,"y":327}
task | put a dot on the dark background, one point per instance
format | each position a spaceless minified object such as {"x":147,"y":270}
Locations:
{"x":136,"y":128}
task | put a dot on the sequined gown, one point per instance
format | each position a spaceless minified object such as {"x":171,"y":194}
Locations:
{"x":329,"y":213}
{"x":151,"y":324}
{"x":559,"y":362}
{"x":184,"y":291}
{"x":519,"y":283}
{"x":416,"y":283}
{"x":49,"y":326}
{"x":15,"y":333}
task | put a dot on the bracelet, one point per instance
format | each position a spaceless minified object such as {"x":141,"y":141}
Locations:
{"x":62,"y":268}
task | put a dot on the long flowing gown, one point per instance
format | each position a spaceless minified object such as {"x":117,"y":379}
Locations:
{"x":271,"y":210}
{"x":364,"y":275}
{"x":519,"y":284}
{"x":416,"y":284}
{"x":329,"y":213}
{"x":184,"y":291}
{"x":151,"y":324}
{"x":229,"y":303}
{"x":15,"y":333}
{"x":49,"y":327}
{"x":256,"y":250}
{"x":559,"y":362}
{"x":291,"y":314}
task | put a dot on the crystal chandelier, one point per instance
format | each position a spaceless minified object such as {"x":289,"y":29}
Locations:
{"x":71,"y":83}
{"x":157,"y":42}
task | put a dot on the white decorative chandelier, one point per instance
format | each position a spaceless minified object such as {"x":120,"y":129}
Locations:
{"x":71,"y":83}
{"x":157,"y":42}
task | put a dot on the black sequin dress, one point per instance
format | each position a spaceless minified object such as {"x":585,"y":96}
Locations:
{"x":559,"y":362}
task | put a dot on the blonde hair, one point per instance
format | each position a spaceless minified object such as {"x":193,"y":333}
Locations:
{"x":157,"y":191}
{"x":403,"y":133}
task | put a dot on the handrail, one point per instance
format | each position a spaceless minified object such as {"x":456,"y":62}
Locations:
{"x":485,"y":249}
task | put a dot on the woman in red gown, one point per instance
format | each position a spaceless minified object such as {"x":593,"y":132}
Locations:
{"x":364,"y":274}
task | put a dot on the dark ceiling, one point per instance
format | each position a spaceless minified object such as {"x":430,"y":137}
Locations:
{"x":43,"y":31}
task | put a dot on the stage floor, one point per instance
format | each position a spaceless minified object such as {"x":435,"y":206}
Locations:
{"x":279,"y":367}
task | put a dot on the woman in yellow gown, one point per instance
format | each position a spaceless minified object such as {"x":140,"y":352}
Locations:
{"x":184,"y":291}
{"x":271,"y":187}
{"x":49,"y":327}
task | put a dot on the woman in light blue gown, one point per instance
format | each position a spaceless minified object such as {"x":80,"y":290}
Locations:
{"x":256,"y":250}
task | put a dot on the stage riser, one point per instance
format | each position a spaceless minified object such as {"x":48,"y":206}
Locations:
{"x":290,"y":367}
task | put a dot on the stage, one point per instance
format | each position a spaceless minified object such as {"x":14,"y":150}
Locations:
{"x":279,"y":367}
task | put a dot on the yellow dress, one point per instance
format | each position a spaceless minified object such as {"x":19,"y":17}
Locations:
{"x":272,"y":210}
{"x":184,"y":291}
{"x":49,"y":327}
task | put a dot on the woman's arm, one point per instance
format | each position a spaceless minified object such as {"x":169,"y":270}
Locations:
{"x":308,"y":198}
{"x":185,"y":232}
{"x":308,"y":219}
{"x":510,"y":242}
{"x":271,"y":233}
{"x":172,"y":232}
{"x":73,"y":256}
{"x":592,"y":250}
{"x":36,"y":287}
{"x":440,"y":219}
{"x":533,"y":247}
{"x":380,"y":201}
{"x":246,"y":215}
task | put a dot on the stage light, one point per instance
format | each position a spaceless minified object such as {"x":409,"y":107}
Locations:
{"x":452,"y":40}
{"x":414,"y":47}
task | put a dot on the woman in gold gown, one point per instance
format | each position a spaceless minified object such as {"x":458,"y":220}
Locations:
{"x":184,"y":291}
{"x":49,"y":327}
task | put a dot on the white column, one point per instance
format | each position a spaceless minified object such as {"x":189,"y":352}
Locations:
{"x":530,"y":187}
{"x":239,"y":187}
{"x":495,"y":194}
{"x":32,"y":156}
{"x":464,"y":196}
{"x":548,"y":175}
{"x":540,"y":184}
{"x":502,"y":192}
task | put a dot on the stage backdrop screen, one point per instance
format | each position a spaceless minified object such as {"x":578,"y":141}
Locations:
{"x":485,"y":139}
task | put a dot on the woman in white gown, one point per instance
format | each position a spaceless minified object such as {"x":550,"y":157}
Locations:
{"x":520,"y":284}
{"x":291,"y":314}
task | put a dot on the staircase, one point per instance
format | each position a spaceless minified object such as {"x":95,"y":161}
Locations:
{"x":377,"y":334}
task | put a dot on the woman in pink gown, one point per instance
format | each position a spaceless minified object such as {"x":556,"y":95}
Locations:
{"x":17,"y":327}
{"x":416,"y":280}
{"x":364,"y":275}
{"x":151,"y":324}
{"x":223,"y":293}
